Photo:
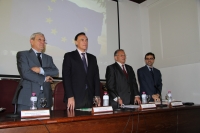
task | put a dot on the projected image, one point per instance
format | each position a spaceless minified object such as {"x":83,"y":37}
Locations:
{"x":59,"y":21}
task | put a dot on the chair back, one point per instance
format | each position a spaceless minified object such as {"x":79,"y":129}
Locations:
{"x":101,"y":93}
{"x":58,"y":97}
{"x":7,"y":91}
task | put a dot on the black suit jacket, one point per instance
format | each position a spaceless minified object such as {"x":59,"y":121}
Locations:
{"x":75,"y":78}
{"x":147,"y":84}
{"x":118,"y":84}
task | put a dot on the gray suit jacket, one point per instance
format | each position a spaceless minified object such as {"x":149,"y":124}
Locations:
{"x":31,"y":81}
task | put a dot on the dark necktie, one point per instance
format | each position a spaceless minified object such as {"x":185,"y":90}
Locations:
{"x":124,"y":71}
{"x":39,"y":58}
{"x":84,"y":61}
{"x":152,"y":74}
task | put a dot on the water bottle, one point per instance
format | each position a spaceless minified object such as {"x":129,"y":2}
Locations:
{"x":169,"y":96}
{"x":33,"y":101}
{"x":144,"y":98}
{"x":105,"y":99}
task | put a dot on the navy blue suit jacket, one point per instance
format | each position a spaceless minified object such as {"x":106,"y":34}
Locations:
{"x":75,"y":78}
{"x":147,"y":84}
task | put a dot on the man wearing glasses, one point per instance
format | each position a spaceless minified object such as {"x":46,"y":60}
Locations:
{"x":149,"y":77}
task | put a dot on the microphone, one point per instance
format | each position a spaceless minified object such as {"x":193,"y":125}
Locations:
{"x":161,"y":104}
{"x":115,"y":93}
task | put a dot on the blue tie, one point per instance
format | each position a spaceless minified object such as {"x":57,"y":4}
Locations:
{"x":84,"y":61}
{"x":152,"y":74}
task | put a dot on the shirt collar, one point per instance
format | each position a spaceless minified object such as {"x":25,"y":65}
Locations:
{"x":80,"y":51}
{"x":120,"y":64}
{"x":35,"y":51}
{"x":149,"y":67}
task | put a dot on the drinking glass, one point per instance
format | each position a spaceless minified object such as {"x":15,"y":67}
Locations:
{"x":43,"y":102}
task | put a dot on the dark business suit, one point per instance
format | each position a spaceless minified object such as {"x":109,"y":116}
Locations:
{"x":31,"y":81}
{"x":77,"y":83}
{"x":147,"y":83}
{"x":118,"y":84}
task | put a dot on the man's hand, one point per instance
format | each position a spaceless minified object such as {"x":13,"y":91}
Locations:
{"x":98,"y":101}
{"x":36,"y":69}
{"x":156,"y":97}
{"x":49,"y":79}
{"x":137,"y":100}
{"x":71,"y":103}
{"x":120,"y":102}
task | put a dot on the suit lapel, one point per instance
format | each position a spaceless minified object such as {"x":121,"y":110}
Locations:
{"x":34,"y":57}
{"x":79,"y":60}
{"x":118,"y":67}
{"x":44,"y":60}
{"x":128,"y":70}
{"x":89,"y":61}
{"x":149,"y":74}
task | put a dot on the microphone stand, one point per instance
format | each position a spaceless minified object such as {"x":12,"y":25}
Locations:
{"x":161,"y":104}
{"x":117,"y":109}
{"x":15,"y":115}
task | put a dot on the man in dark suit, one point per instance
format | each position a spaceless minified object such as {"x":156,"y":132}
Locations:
{"x":121,"y":82}
{"x":36,"y":70}
{"x":80,"y":76}
{"x":149,"y":77}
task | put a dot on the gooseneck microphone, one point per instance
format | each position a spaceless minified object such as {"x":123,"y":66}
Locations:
{"x":115,"y":93}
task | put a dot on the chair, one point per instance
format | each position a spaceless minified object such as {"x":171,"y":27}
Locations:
{"x":7,"y":91}
{"x":101,"y":93}
{"x":58,"y":97}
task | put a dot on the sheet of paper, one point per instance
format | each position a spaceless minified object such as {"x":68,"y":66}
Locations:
{"x":130,"y":106}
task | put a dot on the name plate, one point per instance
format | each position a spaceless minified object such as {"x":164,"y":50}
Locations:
{"x":176,"y":103}
{"x":35,"y":113}
{"x":102,"y":109}
{"x":146,"y":106}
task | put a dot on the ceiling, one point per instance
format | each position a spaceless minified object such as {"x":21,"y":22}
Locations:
{"x":136,"y":1}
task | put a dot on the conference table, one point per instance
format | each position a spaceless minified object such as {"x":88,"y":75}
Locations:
{"x":182,"y":119}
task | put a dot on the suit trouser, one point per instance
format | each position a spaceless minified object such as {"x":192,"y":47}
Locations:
{"x":25,"y":107}
{"x":86,"y":103}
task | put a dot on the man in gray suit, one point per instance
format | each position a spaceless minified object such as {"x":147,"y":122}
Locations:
{"x":36,"y":70}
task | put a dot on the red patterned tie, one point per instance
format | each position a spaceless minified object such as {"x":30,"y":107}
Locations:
{"x":126,"y":74}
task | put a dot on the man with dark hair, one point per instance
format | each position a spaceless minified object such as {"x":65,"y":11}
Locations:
{"x":80,"y":74}
{"x":149,"y":77}
{"x":36,"y":70}
{"x":121,"y":82}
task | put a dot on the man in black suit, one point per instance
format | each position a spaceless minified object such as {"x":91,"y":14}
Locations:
{"x":36,"y":70}
{"x":149,"y":77}
{"x":121,"y":82}
{"x":80,"y":76}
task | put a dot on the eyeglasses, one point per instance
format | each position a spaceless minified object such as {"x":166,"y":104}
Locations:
{"x":121,"y":55}
{"x":149,"y":58}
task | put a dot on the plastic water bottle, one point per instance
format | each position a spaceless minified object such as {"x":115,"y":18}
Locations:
{"x":33,"y":101}
{"x":169,"y":96}
{"x":144,"y":98}
{"x":105,"y":99}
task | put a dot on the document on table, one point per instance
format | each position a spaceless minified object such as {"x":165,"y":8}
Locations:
{"x":130,"y":106}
